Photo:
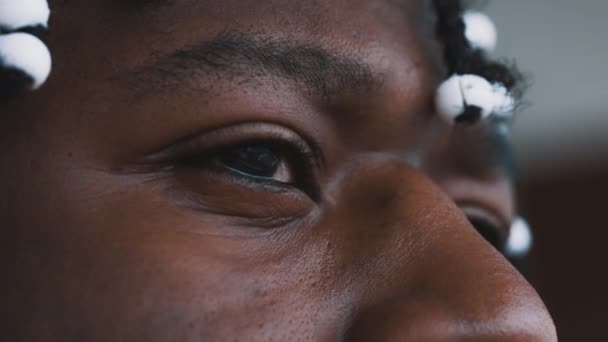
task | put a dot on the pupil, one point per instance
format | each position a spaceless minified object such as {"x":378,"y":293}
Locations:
{"x":252,"y":160}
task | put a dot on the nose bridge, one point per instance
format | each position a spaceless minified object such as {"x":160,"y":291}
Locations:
{"x":388,"y":209}
{"x":418,"y":261}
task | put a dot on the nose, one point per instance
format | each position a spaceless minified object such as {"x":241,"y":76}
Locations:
{"x":419,"y":269}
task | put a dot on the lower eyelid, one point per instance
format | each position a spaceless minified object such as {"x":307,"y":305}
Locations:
{"x":222,"y":195}
{"x":253,"y":178}
{"x":201,"y":180}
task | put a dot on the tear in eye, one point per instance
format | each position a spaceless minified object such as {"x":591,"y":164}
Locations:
{"x":256,"y":160}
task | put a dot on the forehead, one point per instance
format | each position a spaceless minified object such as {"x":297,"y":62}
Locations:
{"x":171,"y":23}
{"x":110,"y":37}
{"x":294,"y":11}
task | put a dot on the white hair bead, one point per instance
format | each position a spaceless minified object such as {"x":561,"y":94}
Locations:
{"x":449,"y":101}
{"x":520,"y":239}
{"x":478,"y":92}
{"x":461,"y":92}
{"x":480,"y":31}
{"x":15,"y":14}
{"x":25,"y":52}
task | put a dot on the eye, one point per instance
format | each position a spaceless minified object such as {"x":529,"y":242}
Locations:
{"x":490,"y":227}
{"x":263,"y":161}
{"x":490,"y":232}
{"x":262,"y":173}
{"x":261,"y":164}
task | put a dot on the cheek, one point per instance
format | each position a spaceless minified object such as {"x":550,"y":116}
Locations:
{"x":121,"y":260}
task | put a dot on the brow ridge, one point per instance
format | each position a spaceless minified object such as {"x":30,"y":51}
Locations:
{"x":235,"y":55}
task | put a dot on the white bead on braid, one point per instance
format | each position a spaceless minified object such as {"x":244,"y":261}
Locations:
{"x":25,"y":52}
{"x":469,"y":98}
{"x":480,"y":31}
{"x":520,"y":239}
{"x":22,"y":51}
{"x":15,"y":14}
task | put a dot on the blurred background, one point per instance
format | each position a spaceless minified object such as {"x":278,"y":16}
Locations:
{"x":561,"y":144}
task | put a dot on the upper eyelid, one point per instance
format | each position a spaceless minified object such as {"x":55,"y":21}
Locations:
{"x":234,"y":135}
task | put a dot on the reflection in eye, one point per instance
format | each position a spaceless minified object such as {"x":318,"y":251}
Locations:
{"x":262,"y":161}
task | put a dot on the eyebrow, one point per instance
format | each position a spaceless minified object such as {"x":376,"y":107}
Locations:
{"x":246,"y":57}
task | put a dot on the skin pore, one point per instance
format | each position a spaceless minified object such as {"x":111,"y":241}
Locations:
{"x":247,"y":170}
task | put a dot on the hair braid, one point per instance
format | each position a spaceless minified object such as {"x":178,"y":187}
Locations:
{"x":477,"y":86}
{"x":25,"y":60}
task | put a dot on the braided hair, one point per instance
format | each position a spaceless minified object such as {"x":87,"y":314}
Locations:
{"x":25,"y":60}
{"x":476,"y":88}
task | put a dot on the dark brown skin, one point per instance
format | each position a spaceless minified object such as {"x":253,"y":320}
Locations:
{"x":112,"y":233}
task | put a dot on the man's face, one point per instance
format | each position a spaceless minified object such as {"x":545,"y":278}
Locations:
{"x":253,"y":170}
